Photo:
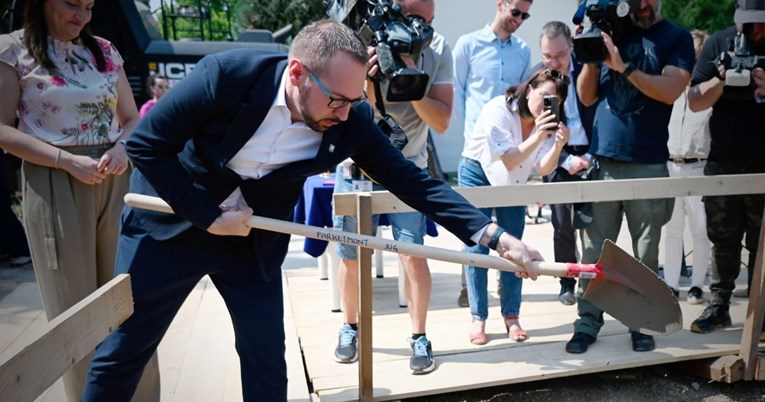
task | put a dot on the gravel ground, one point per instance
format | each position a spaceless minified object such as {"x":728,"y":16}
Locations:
{"x":665,"y":383}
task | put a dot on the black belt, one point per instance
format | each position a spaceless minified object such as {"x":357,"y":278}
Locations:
{"x":577,"y":149}
{"x":93,"y":151}
{"x":683,"y":161}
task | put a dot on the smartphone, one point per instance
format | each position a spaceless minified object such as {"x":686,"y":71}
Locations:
{"x":551,"y":104}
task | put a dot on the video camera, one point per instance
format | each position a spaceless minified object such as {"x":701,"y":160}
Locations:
{"x":739,"y":62}
{"x":609,"y":16}
{"x":381,"y":24}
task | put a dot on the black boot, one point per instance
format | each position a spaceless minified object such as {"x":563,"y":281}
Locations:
{"x":713,"y":317}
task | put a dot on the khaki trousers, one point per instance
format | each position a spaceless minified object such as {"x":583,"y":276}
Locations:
{"x":73,"y":230}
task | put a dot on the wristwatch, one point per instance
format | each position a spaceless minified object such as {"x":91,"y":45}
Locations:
{"x":123,"y":142}
{"x":628,"y":69}
{"x":494,"y":240}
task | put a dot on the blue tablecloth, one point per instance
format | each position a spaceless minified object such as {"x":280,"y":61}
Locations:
{"x":315,"y":208}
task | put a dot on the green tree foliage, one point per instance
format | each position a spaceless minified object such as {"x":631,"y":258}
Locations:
{"x":707,"y":15}
{"x":199,"y":19}
{"x":236,"y":15}
{"x":276,"y":14}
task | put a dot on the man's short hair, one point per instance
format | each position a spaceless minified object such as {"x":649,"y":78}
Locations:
{"x":319,"y":41}
{"x":552,"y":29}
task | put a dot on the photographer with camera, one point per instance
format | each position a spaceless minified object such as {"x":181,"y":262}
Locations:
{"x":633,"y":89}
{"x":415,"y":117}
{"x":738,"y":138}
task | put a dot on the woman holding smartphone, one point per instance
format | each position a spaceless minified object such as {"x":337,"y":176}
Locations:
{"x":513,"y":134}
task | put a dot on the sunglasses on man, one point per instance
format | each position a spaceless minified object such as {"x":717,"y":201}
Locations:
{"x":516,"y":12}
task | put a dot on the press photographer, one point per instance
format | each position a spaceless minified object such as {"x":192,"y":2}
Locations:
{"x":396,"y":34}
{"x":610,"y":16}
{"x":633,"y":90}
{"x":738,"y":138}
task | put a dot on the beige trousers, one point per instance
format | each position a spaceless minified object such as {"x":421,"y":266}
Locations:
{"x":73,"y":230}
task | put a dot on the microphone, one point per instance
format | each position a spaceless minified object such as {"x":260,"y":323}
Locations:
{"x":579,"y":14}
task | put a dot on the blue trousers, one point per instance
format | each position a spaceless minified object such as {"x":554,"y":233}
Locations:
{"x":513,"y":220}
{"x":163,"y":273}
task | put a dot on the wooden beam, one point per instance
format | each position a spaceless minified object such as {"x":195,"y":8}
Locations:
{"x":755,"y":309}
{"x":727,"y":369}
{"x":583,"y":191}
{"x":759,"y":373}
{"x":364,"y":225}
{"x":29,"y":368}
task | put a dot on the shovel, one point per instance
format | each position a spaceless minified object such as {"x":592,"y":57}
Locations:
{"x":620,"y":285}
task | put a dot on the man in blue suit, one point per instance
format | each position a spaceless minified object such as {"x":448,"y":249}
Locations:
{"x":556,"y":45}
{"x":238,"y":137}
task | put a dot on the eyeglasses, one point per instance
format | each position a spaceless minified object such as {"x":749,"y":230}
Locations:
{"x":516,"y":12}
{"x":556,"y":75}
{"x":560,"y":57}
{"x":334,"y":103}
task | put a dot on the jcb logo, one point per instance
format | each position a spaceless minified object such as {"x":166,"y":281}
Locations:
{"x":173,"y":71}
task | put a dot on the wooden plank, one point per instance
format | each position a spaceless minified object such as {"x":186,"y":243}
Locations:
{"x":480,"y":369}
{"x":755,"y":310}
{"x":549,"y":324}
{"x":28,"y":370}
{"x":364,"y":221}
{"x":582,"y":191}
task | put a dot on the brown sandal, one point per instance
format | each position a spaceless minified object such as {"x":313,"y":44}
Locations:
{"x":478,"y":333}
{"x":514,"y":330}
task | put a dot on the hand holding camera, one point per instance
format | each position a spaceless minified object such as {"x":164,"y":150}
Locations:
{"x":613,"y":59}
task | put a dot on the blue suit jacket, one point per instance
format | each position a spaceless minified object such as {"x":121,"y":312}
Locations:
{"x":181,"y":148}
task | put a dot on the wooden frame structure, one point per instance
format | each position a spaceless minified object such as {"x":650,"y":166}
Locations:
{"x":364,"y":205}
{"x":62,"y":342}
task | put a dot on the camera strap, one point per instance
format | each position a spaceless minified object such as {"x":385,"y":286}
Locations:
{"x":379,"y":104}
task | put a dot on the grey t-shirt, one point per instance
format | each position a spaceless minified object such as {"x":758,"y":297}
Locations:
{"x":436,"y":61}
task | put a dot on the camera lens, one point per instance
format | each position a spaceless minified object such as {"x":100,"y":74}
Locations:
{"x":405,"y":86}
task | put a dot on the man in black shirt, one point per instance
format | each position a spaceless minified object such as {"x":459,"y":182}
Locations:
{"x":738,"y":139}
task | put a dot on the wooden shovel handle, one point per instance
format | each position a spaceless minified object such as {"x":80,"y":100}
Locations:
{"x":377,"y":243}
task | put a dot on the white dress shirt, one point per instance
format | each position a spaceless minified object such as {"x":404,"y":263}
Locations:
{"x":497,"y":130}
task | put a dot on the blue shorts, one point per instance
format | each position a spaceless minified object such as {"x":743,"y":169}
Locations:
{"x":407,"y":227}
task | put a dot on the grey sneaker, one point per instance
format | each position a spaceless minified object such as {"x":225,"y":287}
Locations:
{"x":422,"y":356}
{"x":346,"y":351}
{"x":695,"y":295}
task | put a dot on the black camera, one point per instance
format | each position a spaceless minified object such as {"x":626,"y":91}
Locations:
{"x":380,"y":24}
{"x":609,"y":16}
{"x":739,"y":62}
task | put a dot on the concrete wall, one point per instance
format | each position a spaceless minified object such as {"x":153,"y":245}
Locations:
{"x":457,"y":17}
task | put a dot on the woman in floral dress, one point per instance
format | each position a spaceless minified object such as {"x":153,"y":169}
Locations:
{"x":75,"y":109}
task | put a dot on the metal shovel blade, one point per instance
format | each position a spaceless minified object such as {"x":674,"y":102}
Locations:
{"x":633,"y":294}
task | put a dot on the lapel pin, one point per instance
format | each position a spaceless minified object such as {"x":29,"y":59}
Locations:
{"x":331,"y":148}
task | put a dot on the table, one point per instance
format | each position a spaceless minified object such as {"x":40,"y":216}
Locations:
{"x":314,"y":208}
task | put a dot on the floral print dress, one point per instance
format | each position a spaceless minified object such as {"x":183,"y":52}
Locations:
{"x":74,"y":105}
